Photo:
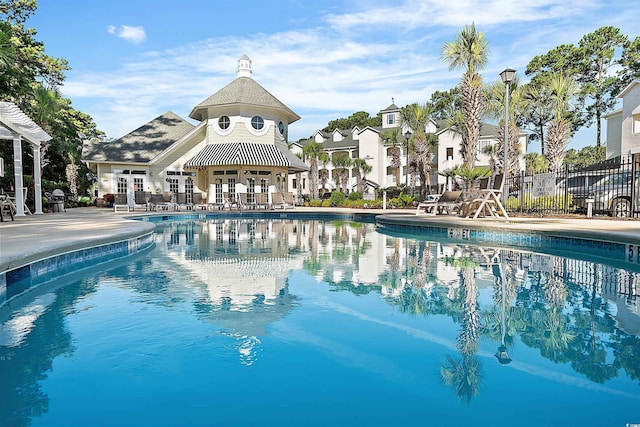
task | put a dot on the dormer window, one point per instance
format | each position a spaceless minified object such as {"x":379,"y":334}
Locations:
{"x":224,"y":122}
{"x":391,"y":119}
{"x":257,"y":122}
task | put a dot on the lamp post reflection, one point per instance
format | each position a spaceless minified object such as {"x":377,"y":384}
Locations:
{"x":501,"y":354}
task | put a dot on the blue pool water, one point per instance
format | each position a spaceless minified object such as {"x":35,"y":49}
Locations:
{"x":229,"y":322}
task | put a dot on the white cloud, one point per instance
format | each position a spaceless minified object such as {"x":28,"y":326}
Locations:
{"x":328,"y":72}
{"x":133,"y":34}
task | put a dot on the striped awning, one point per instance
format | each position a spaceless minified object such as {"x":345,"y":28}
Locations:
{"x":244,"y":154}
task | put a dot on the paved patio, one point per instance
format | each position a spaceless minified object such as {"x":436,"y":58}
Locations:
{"x":34,"y":237}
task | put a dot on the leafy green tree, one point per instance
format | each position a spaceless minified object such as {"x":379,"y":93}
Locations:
{"x":30,"y":79}
{"x":469,"y":52}
{"x":361,"y":119}
{"x":443,"y":102}
{"x":630,"y":63}
{"x":597,"y":51}
{"x":586,"y":156}
{"x":536,"y":112}
{"x":588,"y":64}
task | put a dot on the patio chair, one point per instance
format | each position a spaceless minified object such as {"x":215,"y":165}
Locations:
{"x":447,"y":202}
{"x":120,"y":202}
{"x":6,"y":206}
{"x":488,"y":202}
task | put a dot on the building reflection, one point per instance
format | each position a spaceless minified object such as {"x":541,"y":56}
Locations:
{"x":236,"y":275}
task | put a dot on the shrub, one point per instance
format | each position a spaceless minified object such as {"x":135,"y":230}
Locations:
{"x":406,"y":199}
{"x":315,"y":203}
{"x":326,"y":203}
{"x":355,"y":195}
{"x":354,"y":203}
{"x":337,"y":198}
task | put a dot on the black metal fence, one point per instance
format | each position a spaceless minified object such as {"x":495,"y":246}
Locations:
{"x":608,"y":188}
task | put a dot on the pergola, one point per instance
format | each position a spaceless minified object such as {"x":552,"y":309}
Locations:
{"x":16,"y":125}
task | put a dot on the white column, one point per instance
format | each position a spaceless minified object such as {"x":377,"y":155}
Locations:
{"x":37,"y":179}
{"x":17,"y":167}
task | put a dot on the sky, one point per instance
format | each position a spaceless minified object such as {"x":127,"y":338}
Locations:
{"x":133,"y":60}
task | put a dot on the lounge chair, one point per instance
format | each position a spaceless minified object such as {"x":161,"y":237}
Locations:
{"x":198,"y":203}
{"x":283,"y":200}
{"x":288,"y":200}
{"x":262,"y":200}
{"x":230,"y":200}
{"x":247,"y":201}
{"x":157,"y":203}
{"x":141,"y":200}
{"x":448,"y":201}
{"x":181,"y":202}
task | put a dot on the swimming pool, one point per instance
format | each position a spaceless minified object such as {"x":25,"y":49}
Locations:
{"x":312,"y":322}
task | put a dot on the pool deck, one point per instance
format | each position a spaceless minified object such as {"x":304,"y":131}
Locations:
{"x":34,"y":237}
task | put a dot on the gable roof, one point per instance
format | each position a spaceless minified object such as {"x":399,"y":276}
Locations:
{"x":143,"y":144}
{"x":243,"y":90}
{"x":628,"y":88}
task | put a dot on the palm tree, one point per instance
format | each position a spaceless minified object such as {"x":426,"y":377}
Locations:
{"x":47,"y":104}
{"x":469,"y":176}
{"x":417,"y":117}
{"x":342,"y":162}
{"x":463,"y":375}
{"x":469,"y":52}
{"x":395,"y":139}
{"x":492,"y":151}
{"x":363,"y":169}
{"x":312,"y":152}
{"x":559,"y":129}
{"x":535,"y":163}
{"x":7,"y":50}
{"x":495,"y":95}
{"x":324,"y":160}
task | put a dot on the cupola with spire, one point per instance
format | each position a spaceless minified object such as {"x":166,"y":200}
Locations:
{"x":244,"y":67}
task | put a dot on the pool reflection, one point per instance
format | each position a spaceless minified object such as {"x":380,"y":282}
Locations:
{"x":235,"y":274}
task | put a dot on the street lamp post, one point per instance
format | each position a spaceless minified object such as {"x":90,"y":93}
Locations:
{"x":407,"y":135}
{"x":507,"y":77}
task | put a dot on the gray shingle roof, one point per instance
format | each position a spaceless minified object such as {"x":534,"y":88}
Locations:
{"x":392,"y":107}
{"x":143,"y":144}
{"x":246,"y":154}
{"x":243,"y":90}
